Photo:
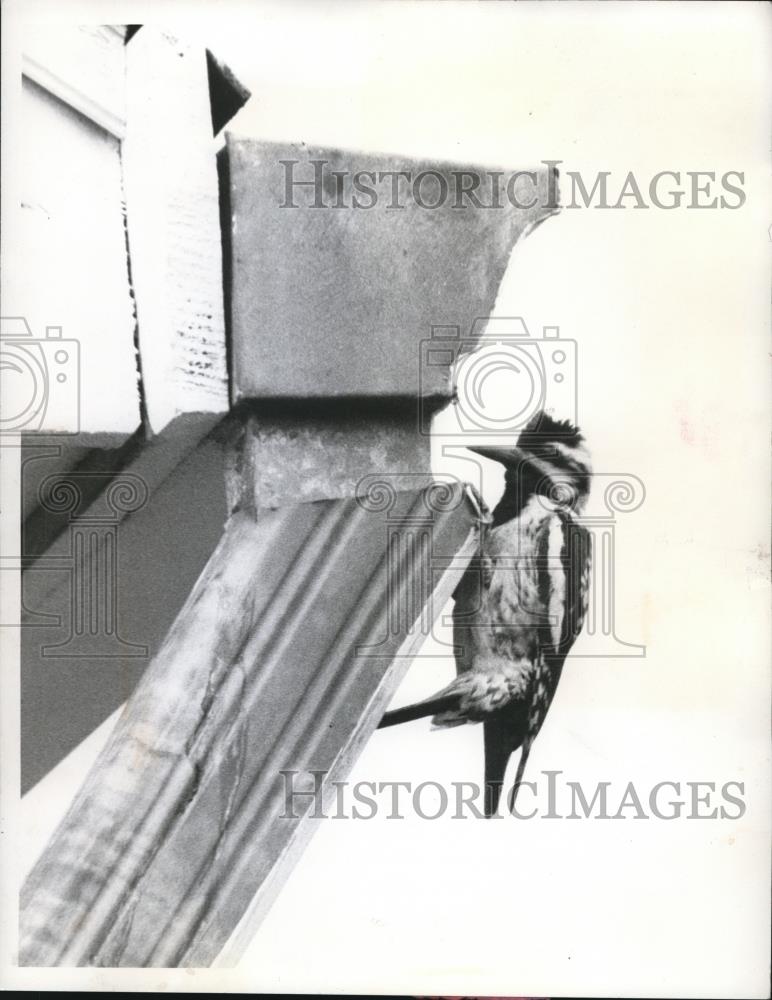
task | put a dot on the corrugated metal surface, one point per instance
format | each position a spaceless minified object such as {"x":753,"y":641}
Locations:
{"x":282,"y":658}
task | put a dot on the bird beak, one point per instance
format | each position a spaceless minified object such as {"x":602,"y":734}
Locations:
{"x":513,"y":458}
{"x":507,"y":456}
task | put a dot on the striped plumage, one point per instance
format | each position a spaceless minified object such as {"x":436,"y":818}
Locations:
{"x":520,"y":606}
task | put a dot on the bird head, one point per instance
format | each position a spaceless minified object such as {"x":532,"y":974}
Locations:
{"x":549,"y":458}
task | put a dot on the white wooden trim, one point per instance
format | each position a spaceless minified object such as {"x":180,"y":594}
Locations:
{"x":84,"y":67}
{"x":103,"y":116}
{"x":172,"y":203}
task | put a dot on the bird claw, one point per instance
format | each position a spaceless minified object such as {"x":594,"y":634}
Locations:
{"x":478,"y":504}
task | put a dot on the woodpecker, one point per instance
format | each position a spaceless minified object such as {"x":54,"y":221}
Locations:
{"x":521,"y":604}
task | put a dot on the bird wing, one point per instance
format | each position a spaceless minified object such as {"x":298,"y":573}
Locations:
{"x":576,"y":557}
{"x":572,"y":579}
{"x":570,"y":609}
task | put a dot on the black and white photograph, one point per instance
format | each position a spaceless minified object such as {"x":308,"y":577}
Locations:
{"x":385,"y":497}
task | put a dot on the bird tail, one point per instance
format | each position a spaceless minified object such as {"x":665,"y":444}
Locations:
{"x":441,"y":703}
{"x":498,"y":750}
{"x":520,"y":772}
